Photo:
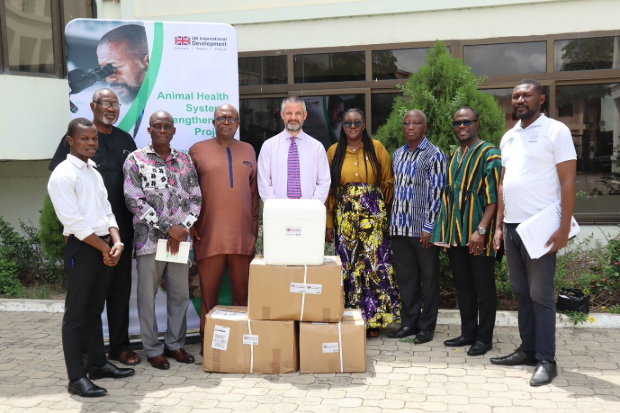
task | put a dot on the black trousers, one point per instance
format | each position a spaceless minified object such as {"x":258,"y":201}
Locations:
{"x":474,"y":278}
{"x":532,"y":283}
{"x":88,"y":279}
{"x":117,"y":302}
{"x":417,"y":273}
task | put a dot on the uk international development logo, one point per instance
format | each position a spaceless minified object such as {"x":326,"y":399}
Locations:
{"x":182,"y":40}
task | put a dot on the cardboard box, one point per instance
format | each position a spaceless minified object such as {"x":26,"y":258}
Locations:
{"x":333,"y":347}
{"x":234,"y":344}
{"x":300,"y":293}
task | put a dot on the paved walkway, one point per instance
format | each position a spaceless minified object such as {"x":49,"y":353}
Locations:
{"x":400,"y":377}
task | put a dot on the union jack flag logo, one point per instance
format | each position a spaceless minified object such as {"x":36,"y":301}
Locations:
{"x":181,"y":40}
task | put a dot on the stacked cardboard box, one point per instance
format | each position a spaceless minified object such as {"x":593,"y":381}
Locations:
{"x":263,"y":338}
{"x":235,"y":344}
{"x":296,"y":292}
{"x":333,"y":347}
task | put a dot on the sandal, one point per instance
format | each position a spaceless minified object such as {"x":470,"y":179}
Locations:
{"x":127,"y":357}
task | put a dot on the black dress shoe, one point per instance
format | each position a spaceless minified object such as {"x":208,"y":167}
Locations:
{"x":544,"y":373}
{"x":459,"y":342}
{"x":85,"y":388}
{"x":424,"y":336}
{"x":518,"y":358}
{"x":479,"y":348}
{"x":109,"y":370}
{"x":402,"y":332}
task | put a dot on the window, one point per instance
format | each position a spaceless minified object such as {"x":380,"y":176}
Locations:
{"x":582,"y":96}
{"x":381,"y":104}
{"x":73,"y":9}
{"x":330,"y":67}
{"x":269,"y":70}
{"x":596,"y":135}
{"x":325,"y":115}
{"x":397,"y":63}
{"x":33,"y":41}
{"x":507,"y":58}
{"x":504,"y":98}
{"x":593,"y":53}
{"x":260,"y":120}
{"x":29,"y":36}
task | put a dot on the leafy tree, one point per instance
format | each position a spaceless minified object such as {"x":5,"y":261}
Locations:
{"x":442,"y":85}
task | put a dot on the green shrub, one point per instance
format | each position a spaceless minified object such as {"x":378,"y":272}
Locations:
{"x":50,"y":235}
{"x":447,"y":290}
{"x":577,"y":317}
{"x":9,"y":282}
{"x":442,"y":85}
{"x":614,"y":309}
{"x":23,"y":255}
{"x":593,"y":270}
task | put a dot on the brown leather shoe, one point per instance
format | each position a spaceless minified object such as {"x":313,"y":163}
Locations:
{"x":159,"y":362}
{"x":179,"y":355}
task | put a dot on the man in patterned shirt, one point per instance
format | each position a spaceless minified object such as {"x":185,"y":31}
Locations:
{"x":419,"y":172}
{"x":161,"y":190}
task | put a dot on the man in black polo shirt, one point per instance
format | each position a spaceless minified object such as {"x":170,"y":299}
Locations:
{"x":114,"y":146}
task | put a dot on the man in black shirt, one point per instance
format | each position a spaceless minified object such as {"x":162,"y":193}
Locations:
{"x":114,"y":147}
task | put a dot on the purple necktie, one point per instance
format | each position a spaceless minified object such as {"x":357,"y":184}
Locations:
{"x":293,"y":185}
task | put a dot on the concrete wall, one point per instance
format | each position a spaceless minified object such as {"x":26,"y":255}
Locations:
{"x":34,"y":113}
{"x":23,"y":185}
{"x":599,"y":233}
{"x":276,"y":24}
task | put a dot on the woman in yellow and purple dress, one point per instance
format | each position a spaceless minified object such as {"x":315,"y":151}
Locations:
{"x":357,"y":219}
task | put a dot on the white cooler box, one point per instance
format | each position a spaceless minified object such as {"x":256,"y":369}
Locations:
{"x":294,"y":231}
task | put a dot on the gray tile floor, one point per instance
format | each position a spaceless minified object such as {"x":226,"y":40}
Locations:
{"x":400,"y":377}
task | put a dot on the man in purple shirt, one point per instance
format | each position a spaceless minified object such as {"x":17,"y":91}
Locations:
{"x":310,"y":167}
{"x":161,"y":190}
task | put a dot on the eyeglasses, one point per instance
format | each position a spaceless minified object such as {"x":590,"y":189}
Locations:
{"x":222,"y":119}
{"x":159,"y":127}
{"x":104,"y":104}
{"x":358,"y":123}
{"x":466,"y":122}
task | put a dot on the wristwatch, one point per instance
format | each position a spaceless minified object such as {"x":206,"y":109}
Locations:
{"x":481,"y":231}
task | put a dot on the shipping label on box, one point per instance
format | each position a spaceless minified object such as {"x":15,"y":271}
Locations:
{"x":234,"y":344}
{"x":300,"y":293}
{"x":333,"y":347}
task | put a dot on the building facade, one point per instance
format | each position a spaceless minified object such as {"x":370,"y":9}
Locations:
{"x":338,"y":54}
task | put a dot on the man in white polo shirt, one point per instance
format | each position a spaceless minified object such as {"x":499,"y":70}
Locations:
{"x":539,"y":168}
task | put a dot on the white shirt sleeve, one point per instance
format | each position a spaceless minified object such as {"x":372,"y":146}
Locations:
{"x":563,"y":146}
{"x":64,"y":198}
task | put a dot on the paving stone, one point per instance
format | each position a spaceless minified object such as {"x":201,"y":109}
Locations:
{"x":470,"y":408}
{"x":400,"y":378}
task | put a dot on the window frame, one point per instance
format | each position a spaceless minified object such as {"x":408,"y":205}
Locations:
{"x":58,"y":42}
{"x":550,"y":78}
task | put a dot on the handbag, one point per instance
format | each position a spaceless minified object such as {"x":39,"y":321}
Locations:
{"x":573,"y":299}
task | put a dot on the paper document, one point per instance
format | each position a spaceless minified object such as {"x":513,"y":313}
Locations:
{"x":163,"y":255}
{"x":536,"y":231}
